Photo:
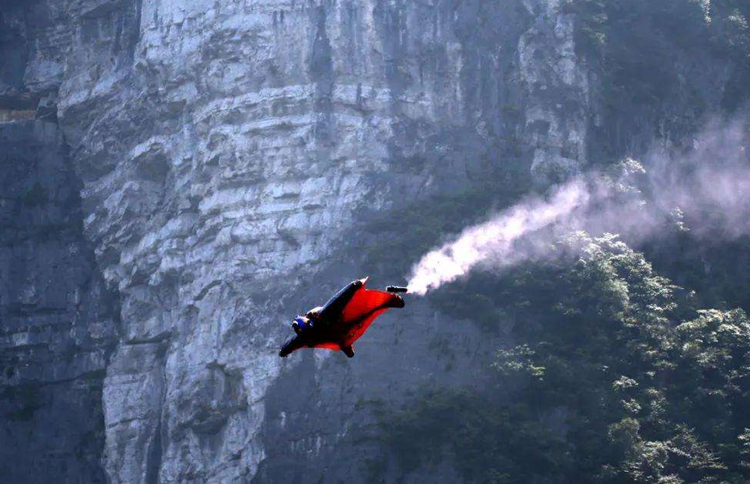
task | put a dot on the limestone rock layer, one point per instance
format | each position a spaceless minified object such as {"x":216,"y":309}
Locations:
{"x":181,"y":178}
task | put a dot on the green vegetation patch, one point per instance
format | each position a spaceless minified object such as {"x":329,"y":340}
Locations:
{"x":614,"y":376}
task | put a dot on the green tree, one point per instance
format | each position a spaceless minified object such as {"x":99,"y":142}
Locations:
{"x":614,"y":378}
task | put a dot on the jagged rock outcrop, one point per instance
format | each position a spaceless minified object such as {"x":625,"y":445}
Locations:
{"x":558,"y":104}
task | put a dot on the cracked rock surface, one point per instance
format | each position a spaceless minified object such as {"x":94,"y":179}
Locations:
{"x":211,"y":161}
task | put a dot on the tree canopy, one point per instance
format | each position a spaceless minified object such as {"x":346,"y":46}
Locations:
{"x":614,"y":376}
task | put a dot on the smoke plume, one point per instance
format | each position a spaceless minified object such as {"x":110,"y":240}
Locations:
{"x":705,"y":190}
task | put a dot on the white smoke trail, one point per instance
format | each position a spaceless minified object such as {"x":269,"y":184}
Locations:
{"x":496,"y":238}
{"x":711,"y":185}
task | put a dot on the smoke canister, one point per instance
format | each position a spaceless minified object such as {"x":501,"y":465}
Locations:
{"x":396,"y":289}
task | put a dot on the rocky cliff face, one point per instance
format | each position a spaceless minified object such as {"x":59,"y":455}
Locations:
{"x":226,"y":153}
{"x":59,"y":322}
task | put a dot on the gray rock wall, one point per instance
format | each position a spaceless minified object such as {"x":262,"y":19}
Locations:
{"x":58,"y":323}
{"x":226,"y":152}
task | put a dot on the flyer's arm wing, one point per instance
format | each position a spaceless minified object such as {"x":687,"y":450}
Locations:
{"x":358,"y":329}
{"x":335,"y":306}
{"x":362,"y":310}
{"x":364,"y":302}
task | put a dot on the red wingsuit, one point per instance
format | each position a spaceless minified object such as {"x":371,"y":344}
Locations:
{"x":343,"y":319}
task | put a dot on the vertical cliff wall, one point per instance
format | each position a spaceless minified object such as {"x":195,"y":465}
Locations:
{"x":58,"y":321}
{"x":226,"y":154}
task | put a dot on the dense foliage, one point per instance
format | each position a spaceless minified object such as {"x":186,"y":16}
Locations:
{"x":640,"y":45}
{"x":663,"y":63}
{"x":614,"y":377}
{"x":613,"y":372}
